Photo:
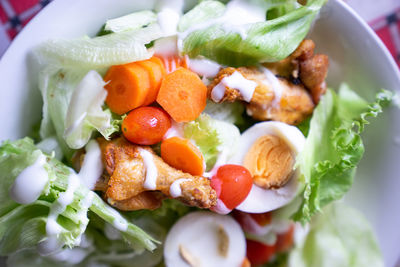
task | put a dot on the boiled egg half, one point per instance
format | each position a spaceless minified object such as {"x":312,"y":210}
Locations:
{"x":205,"y":239}
{"x":269,"y":151}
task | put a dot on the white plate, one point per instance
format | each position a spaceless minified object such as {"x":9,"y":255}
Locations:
{"x":357,"y":57}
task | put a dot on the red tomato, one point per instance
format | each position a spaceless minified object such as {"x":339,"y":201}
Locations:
{"x":146,"y":125}
{"x":232,"y":184}
{"x":262,"y":219}
{"x":258,"y":253}
{"x":285,"y":241}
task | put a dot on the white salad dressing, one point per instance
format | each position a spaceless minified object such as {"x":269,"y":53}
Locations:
{"x":120,"y":223}
{"x":166,"y":47}
{"x":30,"y":183}
{"x":150,"y":181}
{"x":58,"y":207}
{"x":175,"y":130}
{"x":274,"y":83}
{"x":237,"y":16}
{"x":236,"y":81}
{"x":92,"y":166}
{"x":175,"y":188}
{"x":204,"y":67}
{"x":49,"y":246}
{"x":221,"y":208}
{"x":170,"y":11}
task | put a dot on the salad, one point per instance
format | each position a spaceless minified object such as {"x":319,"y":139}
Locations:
{"x":197,"y":134}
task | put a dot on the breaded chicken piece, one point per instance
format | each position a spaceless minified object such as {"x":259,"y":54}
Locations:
{"x":149,"y":200}
{"x":303,"y":64}
{"x":292,"y":106}
{"x":126,"y":173}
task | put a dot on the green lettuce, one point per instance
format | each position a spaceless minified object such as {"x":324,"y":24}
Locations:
{"x":228,"y":112}
{"x":104,"y":246}
{"x":267,"y":41}
{"x":334,"y":147}
{"x":339,"y":237}
{"x":101,"y":51}
{"x":212,"y":137}
{"x":130,"y":22}
{"x":23,"y":226}
{"x":72,"y":110}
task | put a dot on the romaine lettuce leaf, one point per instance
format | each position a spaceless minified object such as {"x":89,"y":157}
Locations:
{"x":212,"y":137}
{"x":24,"y":226}
{"x":338,"y":237}
{"x":249,"y":44}
{"x":334,"y":147}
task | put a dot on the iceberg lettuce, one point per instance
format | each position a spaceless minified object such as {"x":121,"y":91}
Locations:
{"x":24,"y":226}
{"x":339,"y":237}
{"x":213,"y":137}
{"x":334,"y":147}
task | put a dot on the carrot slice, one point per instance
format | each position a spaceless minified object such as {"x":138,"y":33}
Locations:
{"x":181,"y":154}
{"x":128,"y":86}
{"x":183,"y":95}
{"x":156,"y":74}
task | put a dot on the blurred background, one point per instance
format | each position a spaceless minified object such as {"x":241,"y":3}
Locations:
{"x":383,"y":16}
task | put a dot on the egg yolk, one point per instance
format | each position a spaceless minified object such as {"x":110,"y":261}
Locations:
{"x":270,"y":161}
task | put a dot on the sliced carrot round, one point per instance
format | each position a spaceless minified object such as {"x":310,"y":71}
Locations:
{"x":181,"y":154}
{"x":183,"y":95}
{"x":128,"y":86}
{"x":156,"y":74}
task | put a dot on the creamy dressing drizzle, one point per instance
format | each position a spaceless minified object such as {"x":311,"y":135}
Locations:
{"x":175,"y":130}
{"x":150,"y":181}
{"x":204,"y":67}
{"x":275,"y":84}
{"x":175,"y":188}
{"x":221,"y":208}
{"x":236,"y":81}
{"x":170,"y":11}
{"x":30,"y":183}
{"x":58,"y":207}
{"x":120,"y":223}
{"x":92,"y":166}
{"x":237,"y":17}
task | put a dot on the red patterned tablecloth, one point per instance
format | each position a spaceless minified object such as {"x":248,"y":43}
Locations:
{"x":15,"y":14}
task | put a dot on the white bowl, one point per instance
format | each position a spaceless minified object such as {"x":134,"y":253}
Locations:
{"x":357,"y":57}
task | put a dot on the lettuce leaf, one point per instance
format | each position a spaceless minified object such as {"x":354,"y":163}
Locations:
{"x":132,"y":21}
{"x":212,"y":137}
{"x":101,"y":51}
{"x":228,"y":112}
{"x":334,"y":147}
{"x":23,"y":226}
{"x":247,"y":44}
{"x":339,"y":237}
{"x":72,"y":109}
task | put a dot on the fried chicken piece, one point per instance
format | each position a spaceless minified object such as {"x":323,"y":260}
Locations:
{"x":276,"y":99}
{"x":302,"y":63}
{"x":126,"y":170}
{"x":149,"y":200}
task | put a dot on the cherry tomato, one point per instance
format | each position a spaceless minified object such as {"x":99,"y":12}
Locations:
{"x":146,"y":125}
{"x":258,"y":253}
{"x":262,"y":219}
{"x":232,"y":184}
{"x":285,"y":241}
